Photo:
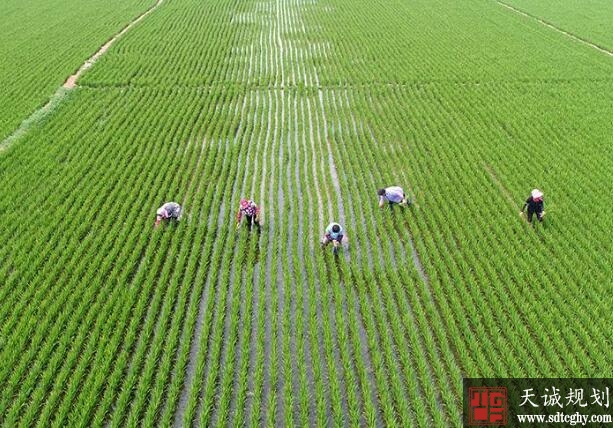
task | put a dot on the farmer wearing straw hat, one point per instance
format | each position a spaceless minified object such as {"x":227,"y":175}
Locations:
{"x":393,"y":195}
{"x":334,"y":234}
{"x":251,"y":211}
{"x":168,"y":211}
{"x":535,"y":206}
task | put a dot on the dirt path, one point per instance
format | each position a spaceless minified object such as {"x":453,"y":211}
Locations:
{"x":71,"y":82}
{"x":559,"y":30}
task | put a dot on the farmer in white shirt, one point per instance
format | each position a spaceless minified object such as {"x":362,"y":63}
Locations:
{"x":393,"y":195}
{"x":168,"y":211}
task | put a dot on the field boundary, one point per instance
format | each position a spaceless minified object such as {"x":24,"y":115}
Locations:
{"x":559,"y":30}
{"x":498,"y":184}
{"x":34,"y":118}
{"x":70,"y":83}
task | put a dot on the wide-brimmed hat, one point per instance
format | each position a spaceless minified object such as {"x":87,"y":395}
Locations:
{"x":536,"y":194}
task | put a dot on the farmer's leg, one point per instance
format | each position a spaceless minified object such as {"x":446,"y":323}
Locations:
{"x":249,"y":220}
{"x":530,"y":214}
{"x":539,"y":216}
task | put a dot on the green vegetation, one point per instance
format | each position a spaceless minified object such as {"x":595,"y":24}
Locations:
{"x":308,"y":107}
{"x":587,"y":19}
{"x":42,"y":42}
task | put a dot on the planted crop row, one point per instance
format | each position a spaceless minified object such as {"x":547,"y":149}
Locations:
{"x":106,"y":320}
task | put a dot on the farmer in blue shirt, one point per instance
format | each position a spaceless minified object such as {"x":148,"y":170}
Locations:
{"x":393,"y":195}
{"x":334,"y":234}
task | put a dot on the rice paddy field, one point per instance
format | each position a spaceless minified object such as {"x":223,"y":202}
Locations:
{"x":307,"y":107}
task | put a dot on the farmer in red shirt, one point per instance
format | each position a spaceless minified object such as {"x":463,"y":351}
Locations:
{"x":251,"y":211}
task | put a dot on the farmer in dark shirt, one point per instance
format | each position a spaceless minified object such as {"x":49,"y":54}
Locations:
{"x":535,"y":206}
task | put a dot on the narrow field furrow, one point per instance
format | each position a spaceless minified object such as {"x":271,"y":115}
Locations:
{"x":310,"y":236}
{"x":305,"y":383}
{"x":205,"y":346}
{"x":238,"y":389}
{"x":292,"y":270}
{"x":268,"y":196}
{"x":281,"y":379}
{"x":200,"y":305}
{"x":256,"y":348}
{"x":232,"y":330}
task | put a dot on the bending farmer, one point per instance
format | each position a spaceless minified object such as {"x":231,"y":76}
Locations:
{"x":334,"y":234}
{"x":251,"y":211}
{"x":535,"y":206}
{"x":168,"y":211}
{"x":393,"y":195}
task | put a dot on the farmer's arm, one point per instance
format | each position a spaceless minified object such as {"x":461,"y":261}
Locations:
{"x":521,"y":213}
